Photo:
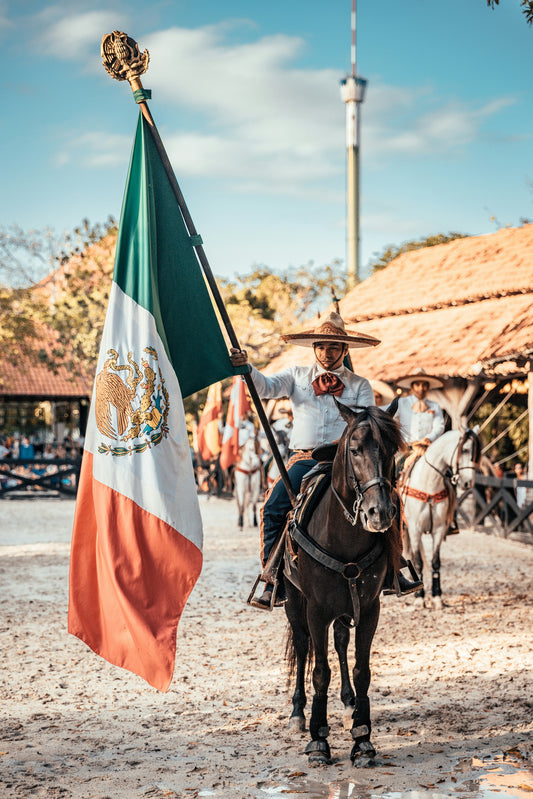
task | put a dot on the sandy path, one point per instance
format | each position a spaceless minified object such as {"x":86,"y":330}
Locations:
{"x":451,"y":691}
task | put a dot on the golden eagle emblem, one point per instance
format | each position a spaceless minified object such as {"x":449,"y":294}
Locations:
{"x":134,"y":407}
{"x":121,"y":56}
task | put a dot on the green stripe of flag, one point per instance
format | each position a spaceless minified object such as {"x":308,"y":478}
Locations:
{"x":155,"y":264}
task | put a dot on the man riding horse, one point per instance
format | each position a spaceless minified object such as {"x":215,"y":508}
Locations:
{"x":421,"y":420}
{"x":317,"y":420}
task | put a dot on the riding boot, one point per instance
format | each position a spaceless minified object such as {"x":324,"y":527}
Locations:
{"x":265,"y":600}
{"x":453,"y":529}
{"x":396,"y":583}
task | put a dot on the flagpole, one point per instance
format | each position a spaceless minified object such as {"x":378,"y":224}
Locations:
{"x":123,"y":60}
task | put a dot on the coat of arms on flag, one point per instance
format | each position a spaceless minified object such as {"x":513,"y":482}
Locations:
{"x":133,"y":407}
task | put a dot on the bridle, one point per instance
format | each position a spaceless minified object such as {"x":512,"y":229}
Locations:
{"x":455,"y":466}
{"x":358,"y":489}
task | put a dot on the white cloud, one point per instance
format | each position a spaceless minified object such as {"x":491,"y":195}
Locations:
{"x":73,"y":35}
{"x":5,"y":22}
{"x":412,"y":123}
{"x":266,"y":116}
{"x":95,"y":149}
{"x":245,"y":113}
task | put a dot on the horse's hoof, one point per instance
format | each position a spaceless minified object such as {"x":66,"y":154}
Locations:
{"x":318,"y":759}
{"x":419,"y":602}
{"x":297,"y":723}
{"x":318,"y":753}
{"x":363,"y":754}
{"x":364,"y":762}
{"x":436,"y":602}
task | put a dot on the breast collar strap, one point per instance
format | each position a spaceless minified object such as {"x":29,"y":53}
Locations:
{"x":455,"y":467}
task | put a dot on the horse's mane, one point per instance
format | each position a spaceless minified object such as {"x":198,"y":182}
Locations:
{"x":385,"y":428}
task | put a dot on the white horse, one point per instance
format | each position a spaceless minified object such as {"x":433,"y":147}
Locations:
{"x":247,"y":480}
{"x":428,"y":494}
{"x":282,"y":440}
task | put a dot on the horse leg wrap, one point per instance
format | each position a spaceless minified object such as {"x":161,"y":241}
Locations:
{"x":361,"y":714}
{"x":435,"y":585}
{"x":360,"y":731}
{"x":362,"y":749}
{"x":319,"y":715}
{"x":320,"y":746}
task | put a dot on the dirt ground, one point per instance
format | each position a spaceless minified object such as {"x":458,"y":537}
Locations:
{"x":451,"y":696}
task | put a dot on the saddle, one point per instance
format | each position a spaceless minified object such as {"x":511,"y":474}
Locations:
{"x":313,"y":488}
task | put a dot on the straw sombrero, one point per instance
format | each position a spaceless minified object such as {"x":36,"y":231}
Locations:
{"x":331,"y":329}
{"x":419,"y":374}
{"x":382,"y":388}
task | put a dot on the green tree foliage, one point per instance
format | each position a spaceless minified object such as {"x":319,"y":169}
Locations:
{"x":392,"y":251}
{"x":78,"y":294}
{"x":53,"y":293}
{"x":527,"y":8}
{"x":24,"y":258}
{"x":264,"y":303}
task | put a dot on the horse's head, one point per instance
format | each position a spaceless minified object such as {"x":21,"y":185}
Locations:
{"x":467,"y":458}
{"x":364,"y":467}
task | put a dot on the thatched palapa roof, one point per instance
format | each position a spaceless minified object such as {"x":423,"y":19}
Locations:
{"x":453,"y":309}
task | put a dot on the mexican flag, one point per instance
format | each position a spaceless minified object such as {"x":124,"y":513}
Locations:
{"x":137,"y":539}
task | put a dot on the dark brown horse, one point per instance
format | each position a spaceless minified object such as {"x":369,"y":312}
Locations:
{"x":342,"y":561}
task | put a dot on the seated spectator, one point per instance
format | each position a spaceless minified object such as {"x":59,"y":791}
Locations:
{"x":48,"y":453}
{"x":26,"y":449}
{"x":521,"y":491}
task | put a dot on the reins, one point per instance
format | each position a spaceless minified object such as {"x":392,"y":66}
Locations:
{"x":352,"y":480}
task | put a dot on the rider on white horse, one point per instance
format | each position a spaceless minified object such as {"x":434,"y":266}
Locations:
{"x":421,"y":419}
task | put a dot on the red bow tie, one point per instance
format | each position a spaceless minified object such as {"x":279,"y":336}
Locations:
{"x":327,"y":383}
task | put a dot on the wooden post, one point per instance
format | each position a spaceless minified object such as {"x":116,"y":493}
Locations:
{"x":530,"y":409}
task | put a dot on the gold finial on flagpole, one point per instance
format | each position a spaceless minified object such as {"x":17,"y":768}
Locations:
{"x":122,"y":58}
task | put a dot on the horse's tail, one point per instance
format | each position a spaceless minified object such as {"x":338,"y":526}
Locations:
{"x":291,"y":651}
{"x":452,"y":500}
{"x":291,"y":657}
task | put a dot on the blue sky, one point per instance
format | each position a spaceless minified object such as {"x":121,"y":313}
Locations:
{"x":246,"y":98}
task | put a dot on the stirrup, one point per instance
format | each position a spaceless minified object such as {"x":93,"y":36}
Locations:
{"x":253,"y":601}
{"x":401,"y":586}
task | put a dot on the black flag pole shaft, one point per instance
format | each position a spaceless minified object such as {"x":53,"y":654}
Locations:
{"x":135,"y":84}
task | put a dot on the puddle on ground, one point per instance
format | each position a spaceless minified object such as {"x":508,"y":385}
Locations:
{"x":505,"y":776}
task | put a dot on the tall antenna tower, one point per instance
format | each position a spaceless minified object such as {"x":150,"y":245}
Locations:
{"x":353,"y":93}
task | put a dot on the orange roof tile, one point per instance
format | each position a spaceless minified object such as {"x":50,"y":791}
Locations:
{"x":452,"y":309}
{"x":27,"y":380}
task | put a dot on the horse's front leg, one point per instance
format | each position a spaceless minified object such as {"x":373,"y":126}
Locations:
{"x":318,"y":747}
{"x":341,"y":636}
{"x":439,"y":535}
{"x":363,"y":751}
{"x":414,"y":533}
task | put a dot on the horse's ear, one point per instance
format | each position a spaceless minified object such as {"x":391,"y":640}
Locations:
{"x":346,"y":412}
{"x":393,"y":407}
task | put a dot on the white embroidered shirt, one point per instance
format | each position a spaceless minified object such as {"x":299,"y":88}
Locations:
{"x":316,"y":419}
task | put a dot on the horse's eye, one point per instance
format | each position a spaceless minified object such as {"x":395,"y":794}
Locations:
{"x":355,"y":451}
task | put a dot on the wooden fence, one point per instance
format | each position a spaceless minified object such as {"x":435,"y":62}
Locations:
{"x":38,"y":477}
{"x":491,"y":504}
